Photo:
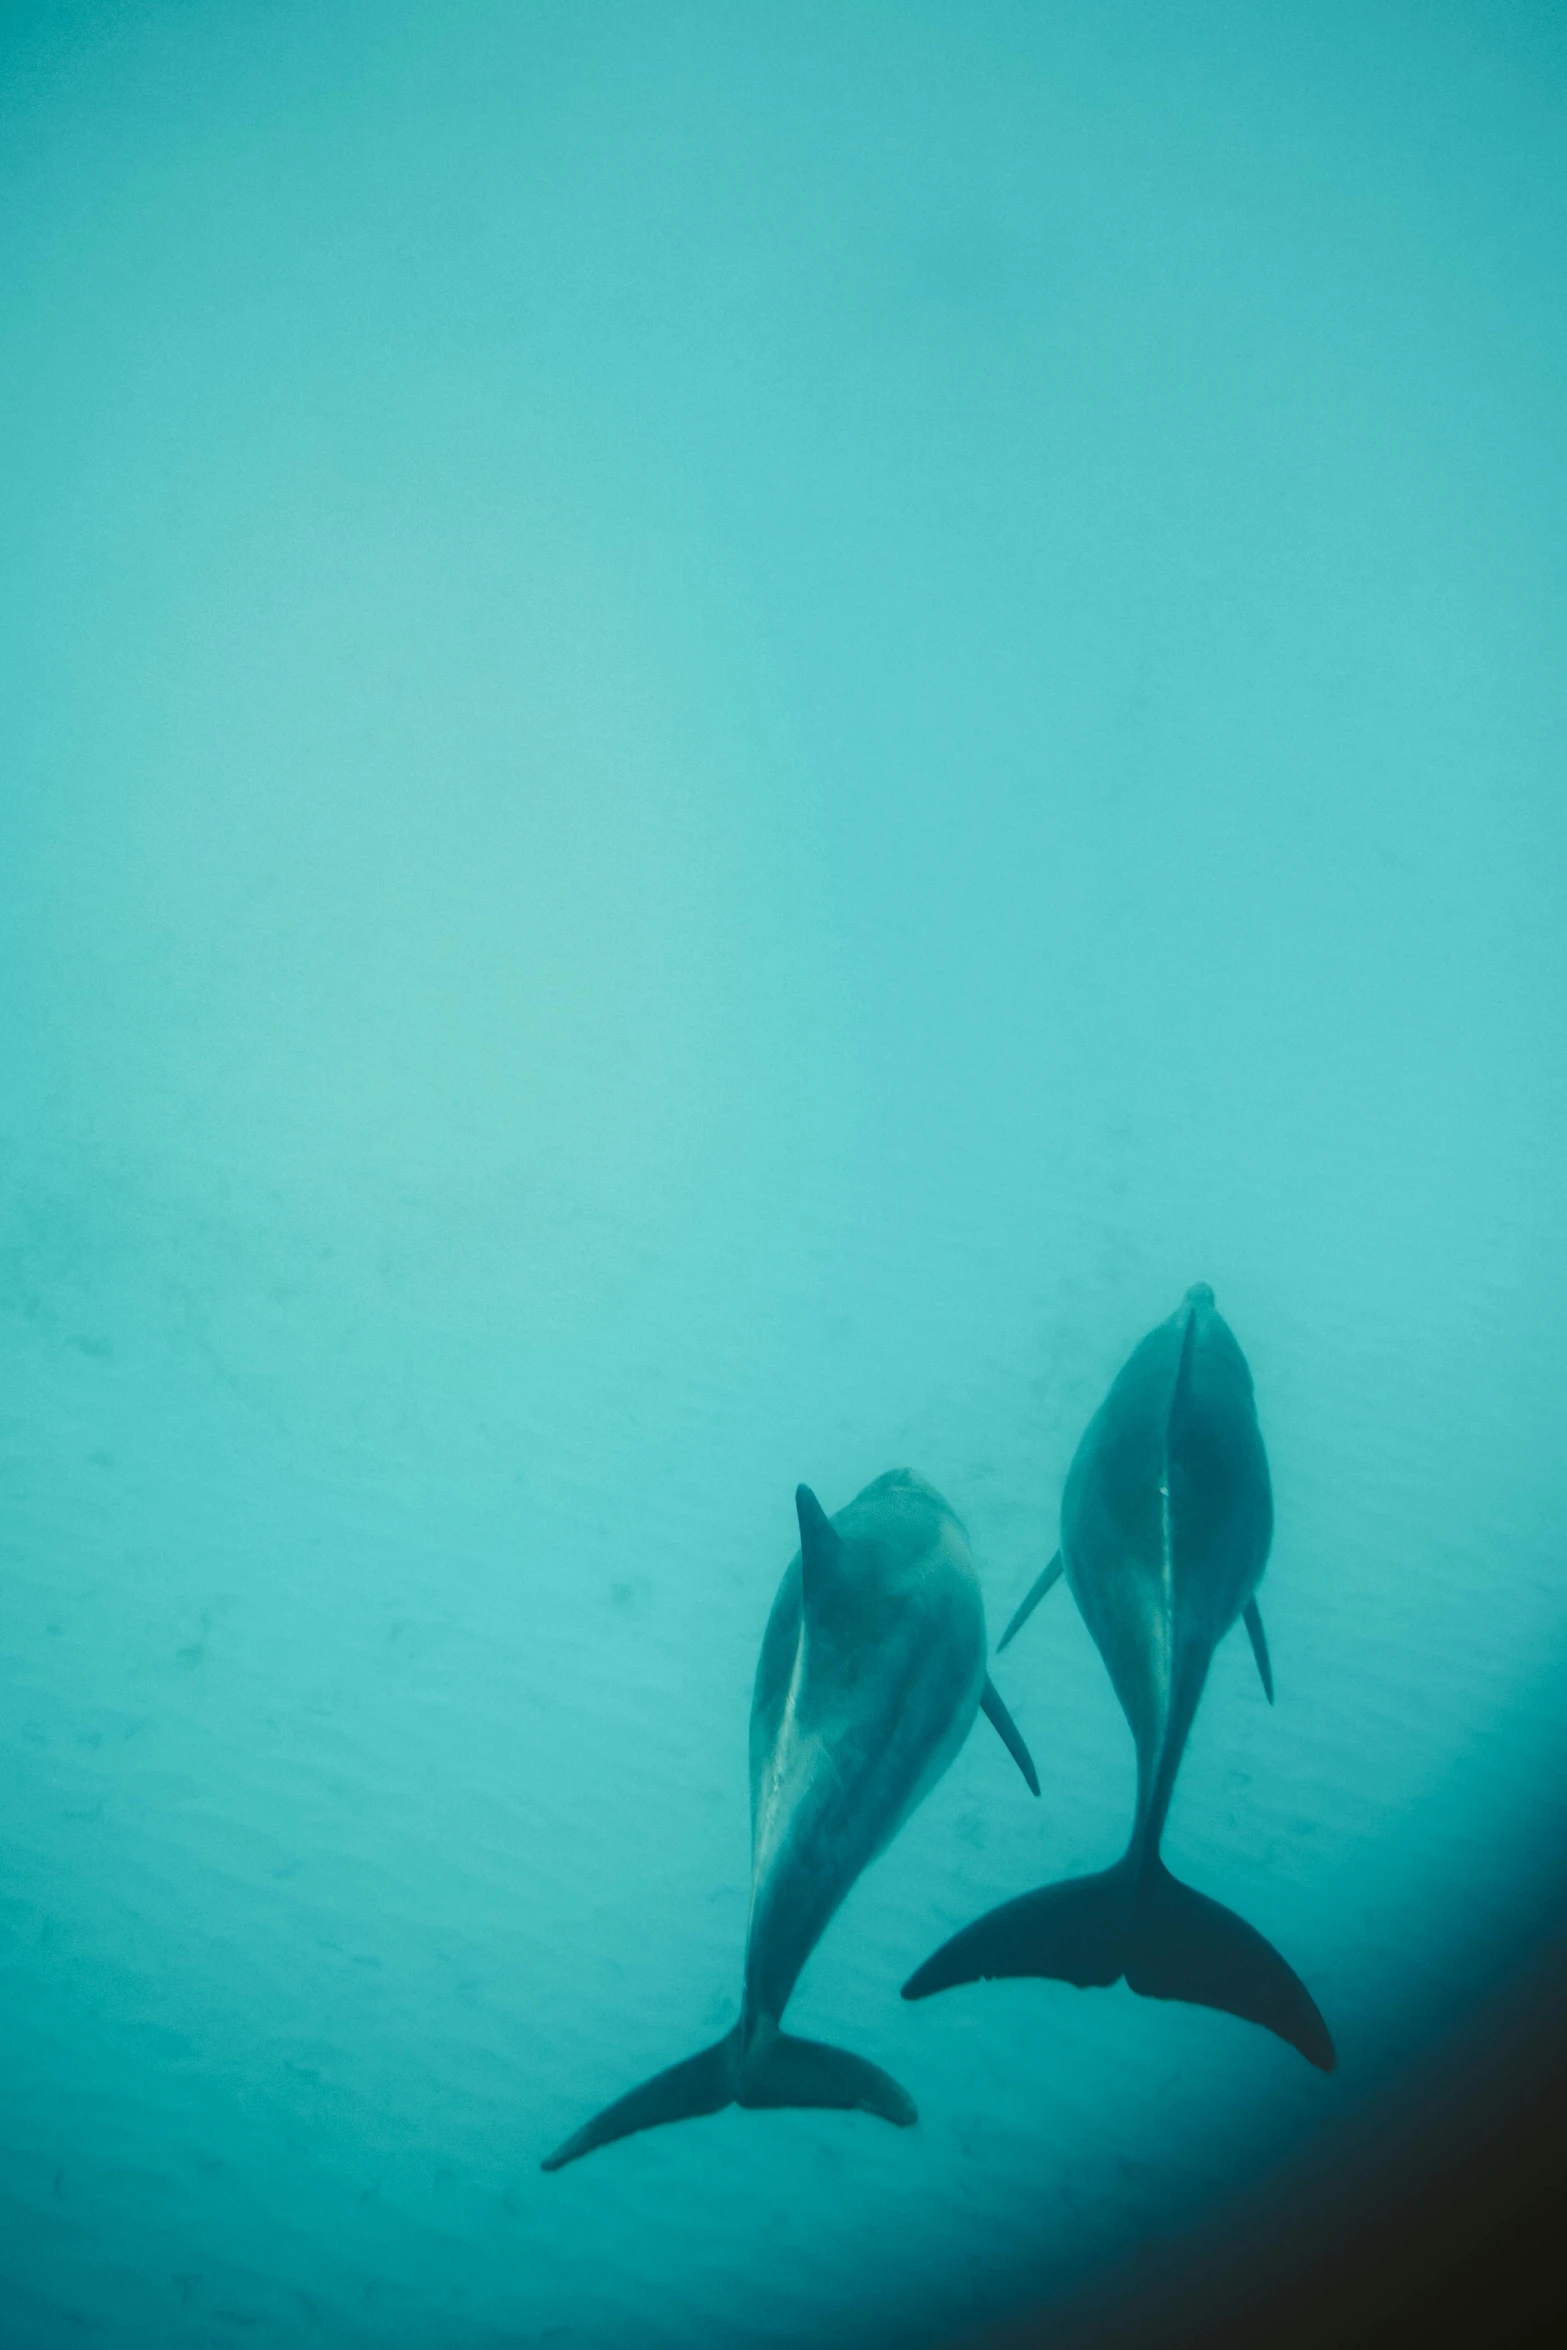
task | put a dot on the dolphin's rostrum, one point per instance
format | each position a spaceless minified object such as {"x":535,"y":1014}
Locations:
{"x":1166,"y":1523}
{"x":871,"y":1672}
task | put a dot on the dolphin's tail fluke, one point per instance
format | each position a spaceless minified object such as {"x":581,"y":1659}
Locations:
{"x":1075,"y":1932}
{"x":787,"y":2071}
{"x":1185,"y":1946}
{"x":703,"y":2084}
{"x":1169,"y":1943}
{"x":776,"y":2069}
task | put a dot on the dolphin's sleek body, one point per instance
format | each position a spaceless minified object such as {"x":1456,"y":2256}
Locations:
{"x":1166,"y":1524}
{"x":871,"y":1672}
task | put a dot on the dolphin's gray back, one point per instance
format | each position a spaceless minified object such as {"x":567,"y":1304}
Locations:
{"x":868,"y":1682}
{"x":774,"y":1673}
{"x":1221,"y":1496}
{"x":1165,"y":1527}
{"x":1166,"y":1522}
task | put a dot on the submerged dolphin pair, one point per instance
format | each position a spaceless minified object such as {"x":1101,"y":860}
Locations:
{"x":873,"y":1668}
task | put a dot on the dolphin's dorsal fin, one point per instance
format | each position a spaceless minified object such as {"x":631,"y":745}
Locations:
{"x":1180,"y":1401}
{"x":820,"y":1546}
{"x":1251,"y":1617}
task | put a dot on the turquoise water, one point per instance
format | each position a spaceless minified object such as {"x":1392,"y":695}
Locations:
{"x":722,"y":731}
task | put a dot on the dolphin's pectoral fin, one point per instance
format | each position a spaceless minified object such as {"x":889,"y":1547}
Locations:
{"x":702,"y":2084}
{"x":1185,"y":1946}
{"x":787,"y":2071}
{"x":1073,"y":1932}
{"x":1011,"y":1736}
{"x":1047,"y":1582}
{"x":1252,"y":1619}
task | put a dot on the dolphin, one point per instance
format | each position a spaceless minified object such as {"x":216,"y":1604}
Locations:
{"x":871,"y":1673}
{"x":1166,"y":1523}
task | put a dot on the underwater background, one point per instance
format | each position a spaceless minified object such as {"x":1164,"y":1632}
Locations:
{"x":722,"y":731}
